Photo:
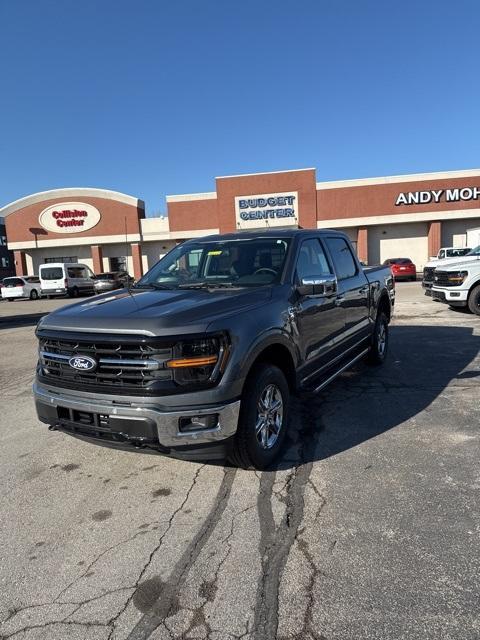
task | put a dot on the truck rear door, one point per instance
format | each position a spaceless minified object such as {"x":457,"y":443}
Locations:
{"x":352,"y":290}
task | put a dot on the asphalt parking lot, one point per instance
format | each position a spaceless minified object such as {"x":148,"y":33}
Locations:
{"x":368,"y":529}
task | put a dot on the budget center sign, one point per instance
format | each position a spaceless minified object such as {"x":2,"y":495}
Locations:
{"x":267,"y":210}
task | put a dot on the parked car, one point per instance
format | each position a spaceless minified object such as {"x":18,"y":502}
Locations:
{"x":111,"y":280}
{"x":429,"y":269}
{"x":60,"y":279}
{"x":458,"y":285}
{"x":402,"y":268}
{"x":200,"y":360}
{"x":21,"y":287}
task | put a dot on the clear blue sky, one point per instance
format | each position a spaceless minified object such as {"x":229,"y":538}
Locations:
{"x":156,"y":97}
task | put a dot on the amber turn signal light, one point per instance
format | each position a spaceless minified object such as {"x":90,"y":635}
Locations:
{"x":200,"y":361}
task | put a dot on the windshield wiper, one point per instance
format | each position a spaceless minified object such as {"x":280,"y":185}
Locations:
{"x":151,"y":285}
{"x":206,"y":285}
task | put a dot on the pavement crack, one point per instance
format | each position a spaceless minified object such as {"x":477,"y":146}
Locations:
{"x":163,"y":607}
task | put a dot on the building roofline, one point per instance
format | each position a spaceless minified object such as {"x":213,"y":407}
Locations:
{"x":34,"y":198}
{"x":185,"y":197}
{"x":412,"y":177}
{"x":264,"y":173}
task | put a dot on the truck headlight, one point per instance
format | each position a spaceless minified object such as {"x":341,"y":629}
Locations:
{"x":456,"y":278}
{"x":199,"y":360}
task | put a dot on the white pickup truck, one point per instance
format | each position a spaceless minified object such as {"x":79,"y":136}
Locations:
{"x":458,"y":285}
{"x":430,"y":268}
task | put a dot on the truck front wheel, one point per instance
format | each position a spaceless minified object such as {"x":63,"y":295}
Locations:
{"x":474,"y":300}
{"x":379,"y":346}
{"x":263,"y":418}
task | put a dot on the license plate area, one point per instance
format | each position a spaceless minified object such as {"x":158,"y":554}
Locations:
{"x":98,"y":421}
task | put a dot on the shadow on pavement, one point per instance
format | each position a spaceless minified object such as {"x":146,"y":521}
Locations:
{"x":21,"y":320}
{"x":366,"y":402}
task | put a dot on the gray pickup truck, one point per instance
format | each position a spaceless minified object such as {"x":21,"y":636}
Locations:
{"x":199,"y":358}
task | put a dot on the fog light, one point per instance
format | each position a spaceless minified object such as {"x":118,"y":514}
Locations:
{"x":198,"y":423}
{"x":454,"y":294}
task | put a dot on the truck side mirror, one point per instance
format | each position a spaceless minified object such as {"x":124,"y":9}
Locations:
{"x":314,"y":286}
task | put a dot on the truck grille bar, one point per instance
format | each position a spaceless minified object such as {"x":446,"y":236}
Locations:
{"x":118,"y":365}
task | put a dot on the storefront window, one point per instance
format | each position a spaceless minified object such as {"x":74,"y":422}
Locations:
{"x":118,"y":264}
{"x":64,"y":259}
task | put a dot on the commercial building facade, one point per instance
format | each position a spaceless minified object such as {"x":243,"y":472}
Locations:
{"x":6,"y":256}
{"x":397,"y":216}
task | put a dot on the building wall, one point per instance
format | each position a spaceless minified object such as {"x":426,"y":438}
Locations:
{"x":408,"y":240}
{"x":454,"y":232}
{"x":117,"y":218}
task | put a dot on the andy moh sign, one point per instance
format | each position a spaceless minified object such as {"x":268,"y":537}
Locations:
{"x":439,"y":195}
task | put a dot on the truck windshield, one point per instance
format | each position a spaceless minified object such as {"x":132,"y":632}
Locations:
{"x":474,"y":252}
{"x":249,"y":262}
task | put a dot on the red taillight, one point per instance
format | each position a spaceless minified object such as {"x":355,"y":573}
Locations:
{"x":65,"y":283}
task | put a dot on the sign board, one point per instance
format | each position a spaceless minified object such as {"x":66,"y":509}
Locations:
{"x":438,"y":195}
{"x":267,"y":210}
{"x":69,"y":217}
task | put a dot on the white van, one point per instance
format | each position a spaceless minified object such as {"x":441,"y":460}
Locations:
{"x":21,"y":287}
{"x":66,"y":278}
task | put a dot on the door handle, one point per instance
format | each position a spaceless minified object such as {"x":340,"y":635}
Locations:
{"x":363,"y":290}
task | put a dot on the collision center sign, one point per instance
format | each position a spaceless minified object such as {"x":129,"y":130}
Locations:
{"x":267,"y":210}
{"x":69,"y":217}
{"x":438,"y":195}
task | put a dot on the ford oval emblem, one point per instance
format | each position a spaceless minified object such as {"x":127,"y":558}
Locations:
{"x":82,"y":363}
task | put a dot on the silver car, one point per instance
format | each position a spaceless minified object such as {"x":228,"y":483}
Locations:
{"x":111,"y":280}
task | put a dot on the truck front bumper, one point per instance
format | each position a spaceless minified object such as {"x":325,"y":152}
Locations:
{"x":195,"y":432}
{"x":452,"y":296}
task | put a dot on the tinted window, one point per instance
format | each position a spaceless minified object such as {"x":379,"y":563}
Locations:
{"x":342,"y":257}
{"x":312,"y":261}
{"x":398,"y":261}
{"x":51,"y":273}
{"x":106,"y":276}
{"x":32,"y":279}
{"x":13,"y":282}
{"x":77,"y":272}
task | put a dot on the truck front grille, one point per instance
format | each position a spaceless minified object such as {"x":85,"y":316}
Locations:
{"x":117,"y":365}
{"x":441,"y":279}
{"x":428,"y":273}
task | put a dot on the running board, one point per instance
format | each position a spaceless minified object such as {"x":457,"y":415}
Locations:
{"x":337,"y":373}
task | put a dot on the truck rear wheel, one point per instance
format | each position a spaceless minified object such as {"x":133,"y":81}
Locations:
{"x":379,"y":348}
{"x":474,"y":300}
{"x":263,"y":421}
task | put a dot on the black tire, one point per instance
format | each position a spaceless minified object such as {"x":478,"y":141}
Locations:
{"x":33,"y":294}
{"x":73,"y":292}
{"x":414,"y":278}
{"x":379,"y":347}
{"x":474,"y":300}
{"x":49,"y":297}
{"x":247,"y":451}
{"x":9,"y":299}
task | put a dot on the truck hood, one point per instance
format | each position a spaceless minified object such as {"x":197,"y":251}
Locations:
{"x":449,"y":261}
{"x":155,"y":313}
{"x":463,"y":264}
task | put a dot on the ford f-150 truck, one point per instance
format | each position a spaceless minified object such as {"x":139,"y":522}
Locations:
{"x":429,"y":269}
{"x":458,"y":285}
{"x":199,"y":358}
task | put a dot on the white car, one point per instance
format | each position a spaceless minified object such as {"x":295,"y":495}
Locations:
{"x":429,"y":269}
{"x":21,"y":287}
{"x":70,"y":278}
{"x":458,"y":285}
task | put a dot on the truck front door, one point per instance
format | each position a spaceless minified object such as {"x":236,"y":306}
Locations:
{"x":320,"y":321}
